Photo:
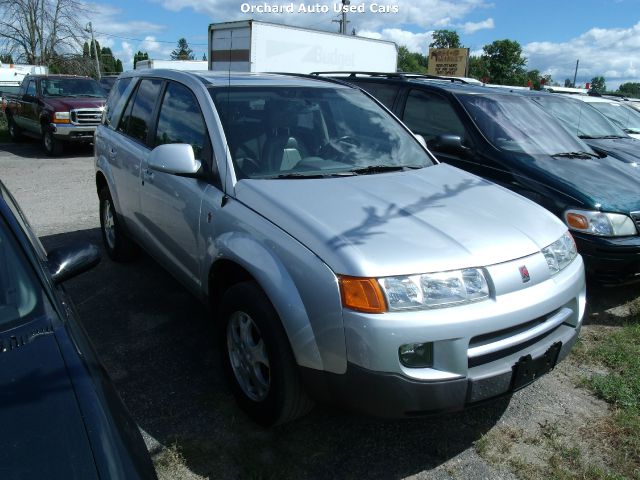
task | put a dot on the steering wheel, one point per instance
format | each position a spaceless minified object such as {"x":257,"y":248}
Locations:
{"x":340,"y":149}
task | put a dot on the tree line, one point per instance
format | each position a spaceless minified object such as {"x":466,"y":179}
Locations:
{"x":501,"y":62}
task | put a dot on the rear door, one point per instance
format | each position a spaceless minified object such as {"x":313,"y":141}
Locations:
{"x":170,"y":204}
{"x":26,"y":119}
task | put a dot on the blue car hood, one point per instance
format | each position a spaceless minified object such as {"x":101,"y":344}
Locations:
{"x":625,"y":149}
{"x":43,"y":432}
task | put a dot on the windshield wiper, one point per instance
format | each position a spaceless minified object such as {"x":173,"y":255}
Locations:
{"x":575,"y":155}
{"x":381,"y":169}
{"x":296,"y":175}
{"x":599,"y":137}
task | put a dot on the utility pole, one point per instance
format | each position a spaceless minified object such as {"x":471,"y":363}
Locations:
{"x":343,"y":18}
{"x":575,"y":75}
{"x":95,"y":48}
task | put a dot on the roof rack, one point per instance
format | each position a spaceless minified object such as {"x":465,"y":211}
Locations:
{"x":399,"y":75}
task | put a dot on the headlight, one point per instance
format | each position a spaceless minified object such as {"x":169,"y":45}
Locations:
{"x":432,"y":290}
{"x":599,"y":223}
{"x":560,"y":253}
{"x":61,"y":117}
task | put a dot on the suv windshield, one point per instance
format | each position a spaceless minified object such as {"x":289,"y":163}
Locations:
{"x":72,"y":87}
{"x":621,"y":114}
{"x":516,"y":124}
{"x":297,"y":132}
{"x":579,"y":117}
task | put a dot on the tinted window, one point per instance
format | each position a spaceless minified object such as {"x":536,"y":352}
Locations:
{"x":386,"y":94}
{"x":115,"y":96}
{"x":180,"y":119}
{"x":137,"y":117}
{"x":431,"y":115}
{"x":31,"y":88}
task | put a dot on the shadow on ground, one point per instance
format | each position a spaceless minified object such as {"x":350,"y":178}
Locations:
{"x":32,"y":148}
{"x":160,"y":347}
{"x":612,"y":305}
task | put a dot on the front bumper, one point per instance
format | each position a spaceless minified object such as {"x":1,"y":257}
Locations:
{"x":476,"y":347}
{"x":73,"y":133}
{"x":610,"y":261}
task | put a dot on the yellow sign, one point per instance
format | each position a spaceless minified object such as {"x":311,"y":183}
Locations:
{"x":451,"y":62}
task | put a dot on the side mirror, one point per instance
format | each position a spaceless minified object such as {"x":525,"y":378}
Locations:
{"x":420,"y":139}
{"x":175,"y":159}
{"x":448,"y":144}
{"x":67,"y":262}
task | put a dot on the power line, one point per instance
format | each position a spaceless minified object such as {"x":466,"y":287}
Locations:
{"x":143,"y":40}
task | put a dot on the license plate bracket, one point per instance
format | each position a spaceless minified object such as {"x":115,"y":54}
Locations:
{"x":526,"y":370}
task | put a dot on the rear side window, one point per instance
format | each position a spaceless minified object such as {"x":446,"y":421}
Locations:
{"x":431,"y":115}
{"x":386,"y":94}
{"x":180,"y":119}
{"x":31,"y":88}
{"x":137,"y":117}
{"x":115,"y":96}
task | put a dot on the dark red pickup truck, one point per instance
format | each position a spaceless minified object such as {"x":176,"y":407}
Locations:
{"x":56,"y":109}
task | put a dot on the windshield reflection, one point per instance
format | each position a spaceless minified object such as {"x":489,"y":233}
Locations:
{"x":284,"y":132}
{"x":623,"y":115}
{"x":513,"y":123}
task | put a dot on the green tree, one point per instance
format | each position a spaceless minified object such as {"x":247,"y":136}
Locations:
{"x":139,"y":56}
{"x":478,"y":68}
{"x":411,"y":61}
{"x":118,"y":66}
{"x":445,"y":39}
{"x":537,"y":80}
{"x":204,"y":57}
{"x":598,"y":84}
{"x":85,"y":50}
{"x":182,"y":52}
{"x":6,"y":58}
{"x":504,"y":62}
{"x":630,"y":89}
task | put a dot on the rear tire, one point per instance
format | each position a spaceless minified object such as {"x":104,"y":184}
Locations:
{"x":51,"y":145}
{"x":14,"y":130}
{"x":118,"y":245}
{"x":257,"y":358}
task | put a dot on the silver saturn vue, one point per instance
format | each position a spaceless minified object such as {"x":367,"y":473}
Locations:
{"x":342,"y":262}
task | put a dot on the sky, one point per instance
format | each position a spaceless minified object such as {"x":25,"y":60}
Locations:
{"x":604,"y":35}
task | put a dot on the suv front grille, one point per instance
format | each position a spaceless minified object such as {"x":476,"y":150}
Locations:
{"x":86,"y":116}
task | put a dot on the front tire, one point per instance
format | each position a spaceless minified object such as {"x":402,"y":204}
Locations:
{"x":51,"y":146}
{"x":257,"y":358}
{"x":119,"y":247}
{"x":14,"y":130}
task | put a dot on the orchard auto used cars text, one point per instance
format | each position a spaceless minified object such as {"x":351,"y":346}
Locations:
{"x":317,"y":8}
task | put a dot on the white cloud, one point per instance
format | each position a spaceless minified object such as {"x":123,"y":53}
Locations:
{"x":472,"y":27}
{"x":612,"y":53}
{"x":415,"y":42}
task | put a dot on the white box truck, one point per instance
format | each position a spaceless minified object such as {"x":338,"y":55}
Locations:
{"x":254,"y":46}
{"x":172,"y":64}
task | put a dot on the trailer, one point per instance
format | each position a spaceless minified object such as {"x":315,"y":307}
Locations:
{"x":254,"y":46}
{"x":172,"y":64}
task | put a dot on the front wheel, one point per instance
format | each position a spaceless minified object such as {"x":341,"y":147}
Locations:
{"x":52,"y":147}
{"x":119,"y":247}
{"x":257,"y":358}
{"x":14,"y":130}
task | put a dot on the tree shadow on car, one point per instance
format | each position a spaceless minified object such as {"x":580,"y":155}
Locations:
{"x":159,"y":344}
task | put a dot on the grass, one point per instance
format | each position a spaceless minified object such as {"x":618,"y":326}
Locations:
{"x":620,"y":354}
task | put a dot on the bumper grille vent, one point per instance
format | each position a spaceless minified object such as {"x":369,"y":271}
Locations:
{"x":86,"y":116}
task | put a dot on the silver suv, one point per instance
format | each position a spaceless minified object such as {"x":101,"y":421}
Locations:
{"x":342,"y":261}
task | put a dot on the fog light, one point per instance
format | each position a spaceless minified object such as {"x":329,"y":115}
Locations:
{"x":416,"y":355}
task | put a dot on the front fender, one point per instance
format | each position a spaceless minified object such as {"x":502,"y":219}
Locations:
{"x":303,"y":291}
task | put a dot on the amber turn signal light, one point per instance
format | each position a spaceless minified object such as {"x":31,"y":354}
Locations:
{"x":362,"y":294}
{"x":577,"y":221}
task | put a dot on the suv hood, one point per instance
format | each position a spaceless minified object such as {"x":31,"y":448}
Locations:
{"x":64,"y":104}
{"x":626,"y":149}
{"x":611,"y":183}
{"x":433,"y":219}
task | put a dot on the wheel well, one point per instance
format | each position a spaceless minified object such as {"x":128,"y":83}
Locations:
{"x":223,"y":275}
{"x":101,"y":181}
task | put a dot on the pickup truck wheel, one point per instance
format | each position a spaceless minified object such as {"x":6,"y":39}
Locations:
{"x":257,"y":358}
{"x":51,"y":146}
{"x":119,"y":247}
{"x":14,"y":130}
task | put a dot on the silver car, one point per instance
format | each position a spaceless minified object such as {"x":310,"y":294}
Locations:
{"x":341,"y":260}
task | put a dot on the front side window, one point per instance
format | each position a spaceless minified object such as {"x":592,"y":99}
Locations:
{"x":385,"y":93}
{"x":180,"y":119}
{"x":516,"y":124}
{"x":31,"y":88}
{"x":431,"y":115}
{"x":137,"y":117}
{"x":296,"y":131}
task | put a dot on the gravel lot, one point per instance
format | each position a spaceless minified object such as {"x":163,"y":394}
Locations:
{"x":159,"y":346}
